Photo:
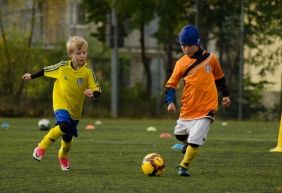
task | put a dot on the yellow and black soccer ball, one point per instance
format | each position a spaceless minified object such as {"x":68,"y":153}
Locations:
{"x":153,"y":164}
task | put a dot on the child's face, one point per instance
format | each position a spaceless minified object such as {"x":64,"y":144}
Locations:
{"x":189,"y":50}
{"x":79,"y":56}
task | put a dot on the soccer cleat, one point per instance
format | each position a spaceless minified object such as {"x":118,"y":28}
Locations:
{"x":182,"y":171}
{"x":38,"y":153}
{"x":65,"y":163}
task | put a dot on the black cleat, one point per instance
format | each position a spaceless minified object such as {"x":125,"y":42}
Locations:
{"x":182,"y":171}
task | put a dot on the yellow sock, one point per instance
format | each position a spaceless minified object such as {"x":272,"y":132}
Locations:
{"x":65,"y":148}
{"x":189,"y":155}
{"x":50,"y":137}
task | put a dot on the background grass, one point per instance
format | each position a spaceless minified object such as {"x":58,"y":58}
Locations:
{"x":234,"y":159}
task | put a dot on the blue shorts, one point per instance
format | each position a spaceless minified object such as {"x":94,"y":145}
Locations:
{"x":64,"y":116}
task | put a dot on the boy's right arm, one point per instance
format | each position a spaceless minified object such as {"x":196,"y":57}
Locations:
{"x":171,"y":85}
{"x":171,"y":107}
{"x":28,"y":76}
{"x":170,"y":98}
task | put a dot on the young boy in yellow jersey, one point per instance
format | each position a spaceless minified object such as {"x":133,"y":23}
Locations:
{"x":202,"y":75}
{"x":75,"y":79}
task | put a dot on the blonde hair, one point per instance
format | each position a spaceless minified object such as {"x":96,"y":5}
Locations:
{"x":75,"y":43}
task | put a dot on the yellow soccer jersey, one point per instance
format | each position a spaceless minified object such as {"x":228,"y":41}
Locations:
{"x":69,"y":86}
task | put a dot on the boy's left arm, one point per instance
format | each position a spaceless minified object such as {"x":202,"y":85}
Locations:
{"x":220,"y":81}
{"x":94,"y":89}
{"x":222,"y":87}
{"x":92,"y":94}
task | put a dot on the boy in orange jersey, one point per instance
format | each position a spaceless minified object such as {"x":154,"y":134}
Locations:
{"x":202,"y":75}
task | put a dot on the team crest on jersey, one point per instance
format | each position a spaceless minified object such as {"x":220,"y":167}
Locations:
{"x":79,"y":81}
{"x":208,"y":68}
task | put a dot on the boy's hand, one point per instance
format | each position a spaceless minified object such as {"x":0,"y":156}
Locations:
{"x":26,"y":76}
{"x":226,"y":101}
{"x":88,"y":93}
{"x":171,"y":107}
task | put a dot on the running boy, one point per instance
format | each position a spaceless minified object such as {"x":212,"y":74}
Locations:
{"x":74,"y":80}
{"x":202,"y":75}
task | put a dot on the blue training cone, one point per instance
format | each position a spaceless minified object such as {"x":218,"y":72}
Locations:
{"x":5,"y":125}
{"x":177,"y":146}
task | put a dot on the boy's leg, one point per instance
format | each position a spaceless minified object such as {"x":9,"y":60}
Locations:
{"x":68,"y":126}
{"x":181,"y":132}
{"x":190,"y":154}
{"x":66,"y":144}
{"x":50,"y":137}
{"x":198,"y":130}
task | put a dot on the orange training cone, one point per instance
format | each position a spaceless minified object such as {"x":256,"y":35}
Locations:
{"x":278,"y":148}
{"x":165,"y":135}
{"x":90,"y":127}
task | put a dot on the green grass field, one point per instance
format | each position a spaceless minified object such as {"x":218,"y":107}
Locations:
{"x":234,"y":159}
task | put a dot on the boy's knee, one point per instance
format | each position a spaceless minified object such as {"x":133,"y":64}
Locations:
{"x":181,"y":137}
{"x":67,"y":138}
{"x":193,"y":145}
{"x":64,"y":126}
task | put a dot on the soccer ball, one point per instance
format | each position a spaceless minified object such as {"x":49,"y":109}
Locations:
{"x":153,"y":164}
{"x":44,"y":124}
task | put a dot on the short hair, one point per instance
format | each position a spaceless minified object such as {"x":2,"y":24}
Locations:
{"x":75,"y":42}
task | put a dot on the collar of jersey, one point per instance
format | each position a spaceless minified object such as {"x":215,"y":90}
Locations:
{"x":198,"y":54}
{"x":71,"y":66}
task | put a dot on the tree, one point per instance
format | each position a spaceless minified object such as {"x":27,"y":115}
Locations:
{"x":140,"y":12}
{"x":219,"y":24}
{"x":262,"y":20}
{"x":13,"y":49}
{"x":263,"y":28}
{"x":219,"y":21}
{"x":170,"y":23}
{"x":18,"y":55}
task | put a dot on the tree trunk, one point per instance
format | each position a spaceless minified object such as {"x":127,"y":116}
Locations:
{"x":145,"y":61}
{"x":7,"y":73}
{"x":170,"y":62}
{"x":32,"y":23}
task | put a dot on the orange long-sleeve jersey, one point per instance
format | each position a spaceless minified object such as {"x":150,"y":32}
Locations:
{"x":199,"y":96}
